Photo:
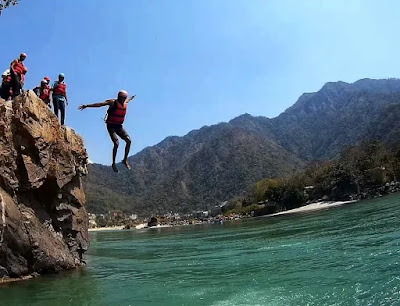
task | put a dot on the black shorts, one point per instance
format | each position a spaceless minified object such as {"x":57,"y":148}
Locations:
{"x":117,"y":129}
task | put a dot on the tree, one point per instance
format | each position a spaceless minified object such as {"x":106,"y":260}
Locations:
{"x":261,"y":188}
{"x":6,"y":3}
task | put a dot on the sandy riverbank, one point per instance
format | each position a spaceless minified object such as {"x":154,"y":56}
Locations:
{"x":311,"y":207}
{"x":307,"y":208}
{"x":113,"y":228}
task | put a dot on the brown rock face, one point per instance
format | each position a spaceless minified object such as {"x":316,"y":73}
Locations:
{"x":43,"y":223}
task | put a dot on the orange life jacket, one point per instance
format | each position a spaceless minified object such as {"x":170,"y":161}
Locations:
{"x":117,"y":113}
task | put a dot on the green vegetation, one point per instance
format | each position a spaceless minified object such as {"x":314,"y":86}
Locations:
{"x":6,"y":3}
{"x":216,"y":163}
{"x":362,"y":171}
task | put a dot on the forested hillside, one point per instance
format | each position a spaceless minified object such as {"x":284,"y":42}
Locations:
{"x":215,"y":163}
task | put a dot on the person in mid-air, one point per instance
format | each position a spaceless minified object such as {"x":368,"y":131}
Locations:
{"x":59,"y":95}
{"x":17,"y":71}
{"x":115,"y":118}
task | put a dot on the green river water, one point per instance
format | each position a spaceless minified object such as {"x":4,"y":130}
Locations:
{"x":347,"y":255}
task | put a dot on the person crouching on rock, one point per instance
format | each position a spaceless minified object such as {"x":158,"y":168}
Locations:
{"x":60,"y":96}
{"x":17,"y":68}
{"x":5,"y":89}
{"x":116,"y":113}
{"x":43,"y":92}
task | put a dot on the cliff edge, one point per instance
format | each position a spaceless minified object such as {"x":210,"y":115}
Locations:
{"x":43,"y":223}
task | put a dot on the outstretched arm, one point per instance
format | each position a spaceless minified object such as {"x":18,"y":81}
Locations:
{"x":105,"y":103}
{"x":130,"y":99}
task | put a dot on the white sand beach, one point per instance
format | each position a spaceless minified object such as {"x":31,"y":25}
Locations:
{"x":113,"y":228}
{"x":312,"y":207}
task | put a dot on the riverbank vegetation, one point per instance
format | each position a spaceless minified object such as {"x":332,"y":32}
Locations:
{"x":363,"y":171}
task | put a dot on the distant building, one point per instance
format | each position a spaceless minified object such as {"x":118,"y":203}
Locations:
{"x":201,"y":214}
{"x":133,"y":217}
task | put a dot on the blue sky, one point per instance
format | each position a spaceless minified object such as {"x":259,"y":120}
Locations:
{"x":193,"y":63}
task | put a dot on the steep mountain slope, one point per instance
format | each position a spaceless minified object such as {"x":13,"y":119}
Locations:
{"x":210,"y":165}
{"x":320,"y":124}
{"x":196,"y":171}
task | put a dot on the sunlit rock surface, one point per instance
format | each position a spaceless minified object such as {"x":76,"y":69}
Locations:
{"x":43,"y":223}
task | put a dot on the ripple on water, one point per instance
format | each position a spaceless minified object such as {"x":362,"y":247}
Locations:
{"x":346,"y":255}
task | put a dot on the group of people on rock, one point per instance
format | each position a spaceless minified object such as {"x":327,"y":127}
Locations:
{"x":13,"y":81}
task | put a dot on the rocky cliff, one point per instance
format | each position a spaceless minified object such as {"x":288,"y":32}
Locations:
{"x":43,"y":223}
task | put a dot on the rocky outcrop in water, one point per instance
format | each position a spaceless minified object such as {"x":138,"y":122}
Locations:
{"x":43,"y":223}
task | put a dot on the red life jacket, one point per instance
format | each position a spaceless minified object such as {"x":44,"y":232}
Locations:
{"x":60,"y":89}
{"x":18,"y":68}
{"x":45,"y":95}
{"x":117,"y":113}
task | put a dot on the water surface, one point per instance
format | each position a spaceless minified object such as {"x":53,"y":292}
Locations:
{"x":347,"y":255}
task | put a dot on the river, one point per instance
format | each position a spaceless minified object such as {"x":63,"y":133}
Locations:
{"x":347,"y":255}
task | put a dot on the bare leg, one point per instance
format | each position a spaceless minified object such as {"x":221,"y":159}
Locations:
{"x":115,"y":149}
{"x":127,"y":149}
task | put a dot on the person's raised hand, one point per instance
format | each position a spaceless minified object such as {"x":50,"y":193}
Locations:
{"x":82,"y":107}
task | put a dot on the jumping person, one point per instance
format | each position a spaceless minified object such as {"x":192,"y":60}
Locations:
{"x":59,"y":94}
{"x":17,"y":69}
{"x":115,"y":118}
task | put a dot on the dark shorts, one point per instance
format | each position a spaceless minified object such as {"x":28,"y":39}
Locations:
{"x":117,"y":129}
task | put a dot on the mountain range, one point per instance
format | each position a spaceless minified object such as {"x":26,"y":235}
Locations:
{"x":215,"y":163}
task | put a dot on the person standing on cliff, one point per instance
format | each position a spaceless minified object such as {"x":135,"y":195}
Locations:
{"x":116,"y":113}
{"x":59,"y":95}
{"x":43,"y":92}
{"x":17,"y":69}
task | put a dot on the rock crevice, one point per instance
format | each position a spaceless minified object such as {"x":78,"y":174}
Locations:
{"x":43,"y":221}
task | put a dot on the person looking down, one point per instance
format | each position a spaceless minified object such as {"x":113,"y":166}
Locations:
{"x":117,"y":109}
{"x":59,"y":95}
{"x":47,"y":79}
{"x":17,"y":69}
{"x":43,"y":92}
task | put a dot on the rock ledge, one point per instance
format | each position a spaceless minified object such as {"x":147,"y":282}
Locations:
{"x":43,"y":223}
